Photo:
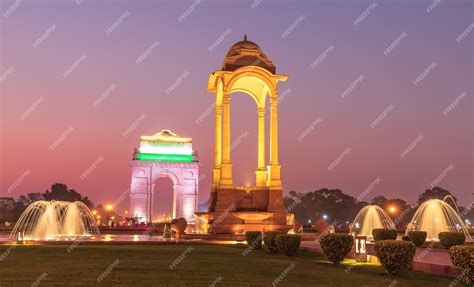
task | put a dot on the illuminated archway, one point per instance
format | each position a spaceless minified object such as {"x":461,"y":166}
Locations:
{"x":164,"y":154}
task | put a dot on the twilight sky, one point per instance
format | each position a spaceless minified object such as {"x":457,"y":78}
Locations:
{"x":378,"y":100}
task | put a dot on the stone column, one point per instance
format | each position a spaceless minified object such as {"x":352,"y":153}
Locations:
{"x":151,"y":198}
{"x":218,"y":147}
{"x":261,"y":173}
{"x":273,"y":131}
{"x":274,"y":181}
{"x":226,"y":164}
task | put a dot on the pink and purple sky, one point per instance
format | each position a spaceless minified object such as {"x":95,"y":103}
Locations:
{"x":75,"y":75}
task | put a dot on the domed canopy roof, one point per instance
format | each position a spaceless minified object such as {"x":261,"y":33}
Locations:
{"x":247,"y":53}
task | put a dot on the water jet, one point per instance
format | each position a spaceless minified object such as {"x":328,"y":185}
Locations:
{"x":370,"y":217}
{"x":435,"y":216}
{"x":53,"y":220}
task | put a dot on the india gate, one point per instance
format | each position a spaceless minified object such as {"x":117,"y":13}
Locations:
{"x":237,"y":209}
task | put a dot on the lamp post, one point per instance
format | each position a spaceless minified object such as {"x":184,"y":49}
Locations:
{"x":108,"y":208}
{"x":360,"y":248}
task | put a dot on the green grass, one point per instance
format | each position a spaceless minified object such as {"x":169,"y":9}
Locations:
{"x":149,"y":265}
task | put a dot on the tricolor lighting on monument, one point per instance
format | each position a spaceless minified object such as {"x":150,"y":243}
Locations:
{"x":165,"y":146}
{"x":164,"y":154}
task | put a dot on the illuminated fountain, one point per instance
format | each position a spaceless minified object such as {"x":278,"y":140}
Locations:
{"x":435,"y":216}
{"x":47,"y":220}
{"x":369,"y":218}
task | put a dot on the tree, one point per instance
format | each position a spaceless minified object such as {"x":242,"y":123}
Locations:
{"x":10,"y":210}
{"x":335,"y":204}
{"x":61,"y":192}
{"x":380,"y":201}
{"x":30,"y":198}
{"x":400,"y":215}
{"x":435,"y":192}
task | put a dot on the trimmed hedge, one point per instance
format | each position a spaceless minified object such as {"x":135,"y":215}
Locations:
{"x":395,"y":256}
{"x":417,"y":237}
{"x":461,"y":257}
{"x":406,"y":238}
{"x":254,"y":239}
{"x":449,"y":239}
{"x":269,"y":240}
{"x":288,"y":244}
{"x":336,"y":246}
{"x":384,"y":234}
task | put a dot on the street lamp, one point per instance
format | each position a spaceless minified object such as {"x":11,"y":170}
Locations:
{"x":392,"y":209}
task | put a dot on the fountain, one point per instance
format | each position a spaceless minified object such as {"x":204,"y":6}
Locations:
{"x":47,"y":220}
{"x":435,"y":216}
{"x":370,"y":217}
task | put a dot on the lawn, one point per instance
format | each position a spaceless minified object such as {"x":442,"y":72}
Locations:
{"x":201,"y":265}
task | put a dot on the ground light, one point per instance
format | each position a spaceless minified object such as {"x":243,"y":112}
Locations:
{"x":360,"y":248}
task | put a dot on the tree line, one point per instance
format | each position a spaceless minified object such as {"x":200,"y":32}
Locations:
{"x":11,"y":208}
{"x":337,"y":207}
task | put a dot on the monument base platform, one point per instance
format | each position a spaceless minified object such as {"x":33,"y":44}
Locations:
{"x":238,"y":210}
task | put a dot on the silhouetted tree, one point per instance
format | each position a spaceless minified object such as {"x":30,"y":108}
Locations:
{"x":30,"y":198}
{"x":10,"y":209}
{"x":338,"y":206}
{"x":380,"y":201}
{"x":435,"y":192}
{"x":402,"y":214}
{"x":60,"y":191}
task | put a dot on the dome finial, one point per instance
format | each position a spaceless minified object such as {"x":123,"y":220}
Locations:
{"x":245,"y":37}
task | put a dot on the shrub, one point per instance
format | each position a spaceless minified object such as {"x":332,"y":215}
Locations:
{"x":336,"y":246}
{"x":254,"y":239}
{"x":269,"y":240}
{"x":406,"y":238}
{"x":394,"y":255}
{"x":448,"y":239}
{"x":462,"y":262}
{"x":288,"y":244}
{"x":417,"y":237}
{"x":384,"y":234}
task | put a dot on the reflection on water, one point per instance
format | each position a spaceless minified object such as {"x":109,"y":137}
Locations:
{"x":105,"y":238}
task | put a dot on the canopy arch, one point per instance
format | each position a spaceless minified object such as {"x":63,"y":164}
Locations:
{"x":258,"y":79}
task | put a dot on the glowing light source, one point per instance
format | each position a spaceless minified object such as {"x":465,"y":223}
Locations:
{"x":145,"y":148}
{"x":165,"y":157}
{"x":392,"y":209}
{"x":109,"y":207}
